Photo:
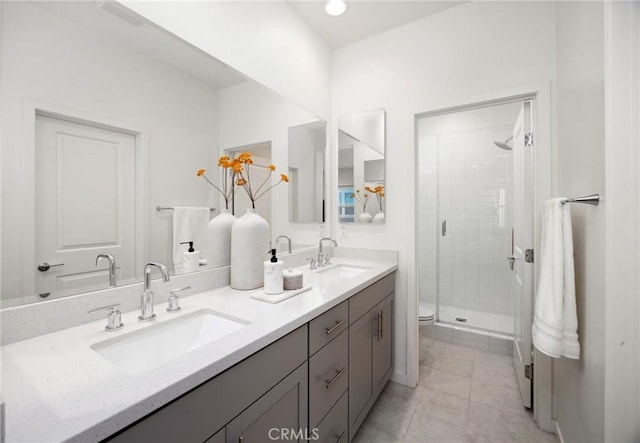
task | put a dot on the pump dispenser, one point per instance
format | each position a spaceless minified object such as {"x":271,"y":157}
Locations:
{"x":191,"y":260}
{"x":273,"y":282}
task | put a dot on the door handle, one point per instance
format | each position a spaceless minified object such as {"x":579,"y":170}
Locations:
{"x":44,"y":266}
{"x":512,"y":259}
{"x":444,"y":228}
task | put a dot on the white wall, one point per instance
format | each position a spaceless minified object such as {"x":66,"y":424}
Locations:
{"x":306,"y":154}
{"x":49,"y":59}
{"x":622,"y":268}
{"x":464,"y":51}
{"x":251,"y":113}
{"x":579,"y":385}
{"x":267,"y":41}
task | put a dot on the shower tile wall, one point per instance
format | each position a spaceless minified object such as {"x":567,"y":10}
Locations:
{"x":466,"y":180}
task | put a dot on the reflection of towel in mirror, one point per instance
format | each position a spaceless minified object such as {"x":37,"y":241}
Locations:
{"x":555,"y":320}
{"x":189,"y":224}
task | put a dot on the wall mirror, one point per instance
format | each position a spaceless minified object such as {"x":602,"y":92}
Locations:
{"x":361,"y":167}
{"x":107,"y":118}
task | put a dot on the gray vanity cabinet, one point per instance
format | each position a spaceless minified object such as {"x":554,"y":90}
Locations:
{"x":370,"y":347}
{"x":280,"y":414}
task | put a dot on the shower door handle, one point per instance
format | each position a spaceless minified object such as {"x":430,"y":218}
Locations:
{"x":512,"y":259}
{"x":444,"y":228}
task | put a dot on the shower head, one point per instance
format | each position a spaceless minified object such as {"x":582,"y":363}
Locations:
{"x":504,"y":145}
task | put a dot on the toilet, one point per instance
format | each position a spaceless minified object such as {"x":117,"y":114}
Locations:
{"x":425,"y":314}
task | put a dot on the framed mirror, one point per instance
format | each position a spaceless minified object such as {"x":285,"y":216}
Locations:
{"x":107,"y":119}
{"x":361,"y":167}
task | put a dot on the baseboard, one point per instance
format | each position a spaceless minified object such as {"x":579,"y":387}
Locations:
{"x":558,"y":432}
{"x":400,"y":377}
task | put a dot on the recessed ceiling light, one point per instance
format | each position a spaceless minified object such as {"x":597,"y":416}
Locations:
{"x":335,"y":7}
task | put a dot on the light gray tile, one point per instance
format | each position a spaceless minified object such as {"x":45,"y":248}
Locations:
{"x":487,"y":421}
{"x":447,"y":407}
{"x":451,"y":364}
{"x":455,"y":351}
{"x":393,"y":411}
{"x":499,"y":397}
{"x":427,"y":428}
{"x":530,"y":433}
{"x":370,"y":434}
{"x":438,"y":380}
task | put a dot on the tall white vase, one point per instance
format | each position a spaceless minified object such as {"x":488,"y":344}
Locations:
{"x":249,"y":250}
{"x":218,"y":252}
{"x":378,"y":219}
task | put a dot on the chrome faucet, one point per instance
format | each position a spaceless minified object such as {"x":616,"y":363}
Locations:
{"x":324,"y":259}
{"x":112,"y":267}
{"x":146,"y":299}
{"x":287,"y":238}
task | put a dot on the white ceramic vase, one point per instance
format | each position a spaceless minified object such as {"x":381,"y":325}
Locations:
{"x":378,"y":219}
{"x":365,"y":217}
{"x":218,"y":252}
{"x":249,"y":251}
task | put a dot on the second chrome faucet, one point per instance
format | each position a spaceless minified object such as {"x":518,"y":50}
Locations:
{"x":146,"y":298}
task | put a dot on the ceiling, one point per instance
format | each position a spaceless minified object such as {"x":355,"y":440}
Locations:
{"x":365,"y":18}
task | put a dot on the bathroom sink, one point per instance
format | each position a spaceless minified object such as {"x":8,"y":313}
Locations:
{"x":142,"y":350}
{"x":343,"y":271}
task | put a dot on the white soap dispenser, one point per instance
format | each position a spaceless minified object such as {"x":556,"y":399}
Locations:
{"x":191,"y":258}
{"x":273,"y":281}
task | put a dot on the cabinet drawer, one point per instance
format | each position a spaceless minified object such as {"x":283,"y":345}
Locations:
{"x":328,"y":377}
{"x":334,"y":427}
{"x":328,"y":326}
{"x":366,"y":299}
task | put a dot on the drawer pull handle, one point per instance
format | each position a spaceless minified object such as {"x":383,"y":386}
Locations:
{"x":339,"y":372}
{"x":334,"y":327}
{"x":340,"y":437}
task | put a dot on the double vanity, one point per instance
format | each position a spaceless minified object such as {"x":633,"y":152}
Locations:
{"x":225,"y":367}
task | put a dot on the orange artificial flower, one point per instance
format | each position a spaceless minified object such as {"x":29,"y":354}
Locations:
{"x":200,"y":172}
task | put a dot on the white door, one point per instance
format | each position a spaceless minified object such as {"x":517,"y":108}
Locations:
{"x":85,"y":205}
{"x":522,"y":240}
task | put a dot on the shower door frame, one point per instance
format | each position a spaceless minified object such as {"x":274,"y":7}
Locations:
{"x":540,"y":94}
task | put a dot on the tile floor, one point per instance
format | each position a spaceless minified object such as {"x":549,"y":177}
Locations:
{"x":464,"y":395}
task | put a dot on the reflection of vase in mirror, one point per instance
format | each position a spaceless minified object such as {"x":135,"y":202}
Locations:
{"x":378,"y":219}
{"x":249,"y":250}
{"x":218,"y":251}
{"x":365,"y":217}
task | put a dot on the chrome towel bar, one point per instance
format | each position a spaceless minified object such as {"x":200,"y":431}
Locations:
{"x":593,"y":199}
{"x":169,"y":208}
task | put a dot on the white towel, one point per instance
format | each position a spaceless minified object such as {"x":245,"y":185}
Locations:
{"x":555,"y":320}
{"x":189,"y":224}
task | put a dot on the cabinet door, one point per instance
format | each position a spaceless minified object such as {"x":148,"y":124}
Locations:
{"x":383,"y":343}
{"x":280,"y":414}
{"x":360,"y":370}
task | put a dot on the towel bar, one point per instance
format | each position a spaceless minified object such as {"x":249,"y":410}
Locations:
{"x":593,"y":199}
{"x":169,"y":208}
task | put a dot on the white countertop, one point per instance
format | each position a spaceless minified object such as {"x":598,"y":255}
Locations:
{"x":56,"y":388}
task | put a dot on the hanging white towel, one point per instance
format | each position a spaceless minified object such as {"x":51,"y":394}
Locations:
{"x":555,"y":320}
{"x":189,"y":224}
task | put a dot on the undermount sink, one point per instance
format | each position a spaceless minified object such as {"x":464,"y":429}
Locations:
{"x":142,"y":350}
{"x":343,"y":271}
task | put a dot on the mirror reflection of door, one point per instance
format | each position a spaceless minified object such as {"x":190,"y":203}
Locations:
{"x":83,"y":174}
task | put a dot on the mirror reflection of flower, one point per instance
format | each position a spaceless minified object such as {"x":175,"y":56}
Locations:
{"x":362,"y":198}
{"x":228,"y":172}
{"x":378,"y":191}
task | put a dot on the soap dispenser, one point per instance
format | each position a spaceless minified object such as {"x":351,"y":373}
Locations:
{"x":191,"y":258}
{"x":273,"y":282}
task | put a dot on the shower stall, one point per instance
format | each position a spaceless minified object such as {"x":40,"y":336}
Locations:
{"x":465,"y":218}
